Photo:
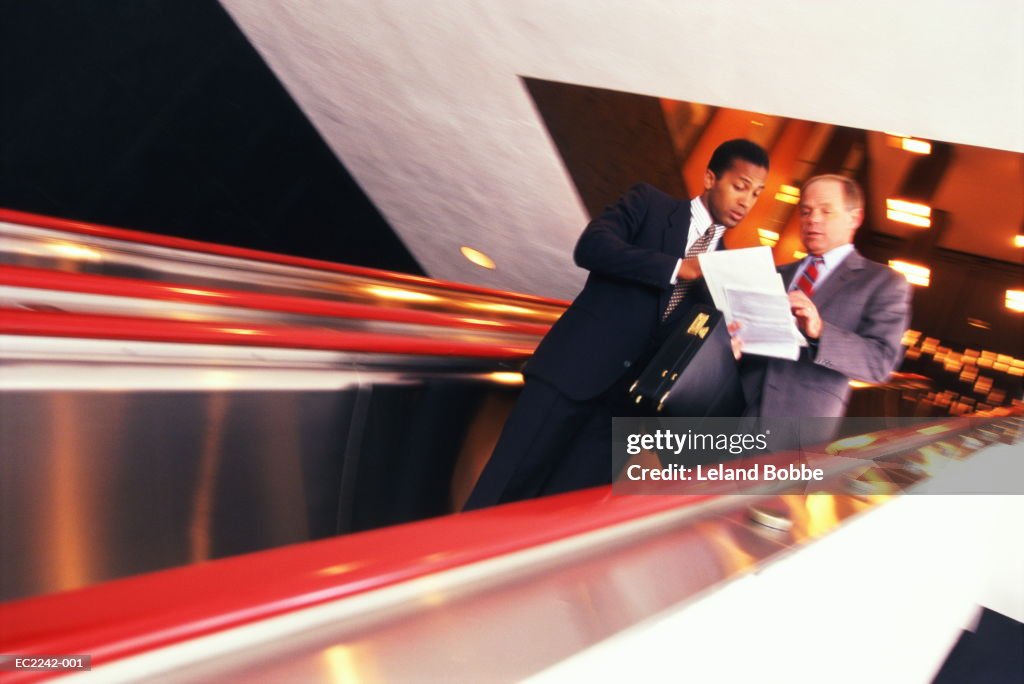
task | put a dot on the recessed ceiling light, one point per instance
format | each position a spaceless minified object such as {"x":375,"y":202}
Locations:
{"x":789,"y":194}
{"x":916,"y":146}
{"x":477,"y":257}
{"x":914,"y":213}
{"x":767,"y":237}
{"x":914,"y":273}
{"x":1015,"y":300}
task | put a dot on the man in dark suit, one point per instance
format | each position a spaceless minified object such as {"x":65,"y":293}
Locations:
{"x":852,"y":311}
{"x":558,"y":435}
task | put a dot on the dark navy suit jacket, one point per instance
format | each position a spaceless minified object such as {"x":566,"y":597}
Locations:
{"x":631,"y":251}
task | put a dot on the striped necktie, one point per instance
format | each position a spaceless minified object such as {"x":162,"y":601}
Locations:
{"x":810,"y":275}
{"x":682,"y":286}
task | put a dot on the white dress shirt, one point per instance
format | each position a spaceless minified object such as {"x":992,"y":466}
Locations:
{"x":832,"y":258}
{"x":700,"y":223}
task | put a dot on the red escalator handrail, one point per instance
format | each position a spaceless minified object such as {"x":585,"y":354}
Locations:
{"x":85,"y":283}
{"x":101,"y":326}
{"x":128,"y":616}
{"x":109,"y":232}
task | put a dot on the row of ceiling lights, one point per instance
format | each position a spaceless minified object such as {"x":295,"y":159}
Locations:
{"x":900,"y":210}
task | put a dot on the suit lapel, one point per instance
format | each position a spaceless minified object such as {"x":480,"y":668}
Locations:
{"x":845,"y":272}
{"x":674,"y":241}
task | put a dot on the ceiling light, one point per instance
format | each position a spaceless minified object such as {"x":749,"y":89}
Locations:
{"x":477,"y":257}
{"x":1018,"y":240}
{"x":788,"y":193}
{"x":916,"y":146}
{"x":914,"y":273}
{"x":904,"y":217}
{"x":908,"y":212}
{"x":767,"y":237}
{"x":978,"y":323}
{"x":799,"y":255}
{"x":1015,"y":300}
{"x":910,"y":338}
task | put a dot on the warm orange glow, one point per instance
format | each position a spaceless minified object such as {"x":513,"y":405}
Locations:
{"x":908,"y":218}
{"x":978,"y":323}
{"x":506,"y":378}
{"x":914,"y":273}
{"x":909,"y":207}
{"x":822,"y":516}
{"x":477,"y":257}
{"x":499,"y":308}
{"x":334,"y":570}
{"x":911,"y":213}
{"x":201,"y":520}
{"x":192,"y":291}
{"x":788,"y":194}
{"x":399,"y":294}
{"x":934,"y":429}
{"x":850,"y":443}
{"x":1015,"y":300}
{"x":70,"y":250}
{"x":1018,"y":240}
{"x":916,"y":146}
{"x":910,"y":337}
{"x":767,"y":237}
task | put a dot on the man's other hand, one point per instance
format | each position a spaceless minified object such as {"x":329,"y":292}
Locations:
{"x":737,"y":341}
{"x":807,"y":317}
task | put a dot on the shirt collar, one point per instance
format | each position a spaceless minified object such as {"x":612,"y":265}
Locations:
{"x":700,"y":219}
{"x":835,"y":256}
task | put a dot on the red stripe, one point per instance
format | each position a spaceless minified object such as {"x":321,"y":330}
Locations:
{"x":17,"y":276}
{"x":98,"y":326}
{"x":82,"y":228}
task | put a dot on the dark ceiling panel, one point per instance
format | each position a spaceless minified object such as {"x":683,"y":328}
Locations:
{"x":158,"y":115}
{"x":608,"y":140}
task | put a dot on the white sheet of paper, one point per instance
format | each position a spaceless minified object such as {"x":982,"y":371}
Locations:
{"x":745,"y":286}
{"x":767,"y":327}
{"x":751,"y":268}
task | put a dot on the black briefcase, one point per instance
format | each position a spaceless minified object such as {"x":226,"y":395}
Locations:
{"x":693,"y":373}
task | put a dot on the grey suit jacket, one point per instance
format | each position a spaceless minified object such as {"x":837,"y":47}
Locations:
{"x":865,"y":309}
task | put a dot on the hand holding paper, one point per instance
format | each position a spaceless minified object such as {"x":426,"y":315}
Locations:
{"x":746,"y":288}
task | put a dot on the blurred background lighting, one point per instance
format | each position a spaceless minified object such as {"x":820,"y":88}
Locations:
{"x":914,"y":273}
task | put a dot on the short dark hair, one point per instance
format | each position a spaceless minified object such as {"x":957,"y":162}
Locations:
{"x":740,"y":148}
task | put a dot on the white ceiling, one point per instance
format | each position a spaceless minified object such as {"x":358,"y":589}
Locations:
{"x":423,"y":103}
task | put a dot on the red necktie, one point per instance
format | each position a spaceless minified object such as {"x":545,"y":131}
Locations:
{"x":810,"y":274}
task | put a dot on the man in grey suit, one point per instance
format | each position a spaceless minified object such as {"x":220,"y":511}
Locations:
{"x":852,"y":311}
